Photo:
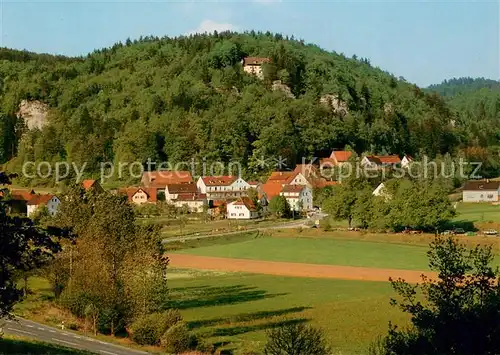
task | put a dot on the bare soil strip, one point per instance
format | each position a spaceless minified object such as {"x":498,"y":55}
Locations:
{"x":294,"y":269}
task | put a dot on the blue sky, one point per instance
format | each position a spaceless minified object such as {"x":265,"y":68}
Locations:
{"x":423,"y":41}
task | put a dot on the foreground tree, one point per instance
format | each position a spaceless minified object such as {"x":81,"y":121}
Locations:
{"x":456,"y":314}
{"x":23,"y":247}
{"x":279,"y":207}
{"x":296,"y":339}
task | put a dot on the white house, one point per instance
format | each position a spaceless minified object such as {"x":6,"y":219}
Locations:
{"x":299,"y":197}
{"x":243,"y":208}
{"x":222,"y":187}
{"x":253,"y":65}
{"x":52,"y":203}
{"x":172,"y":191}
{"x":379,"y":190}
{"x":481,"y":191}
{"x":406,"y":161}
{"x":195,"y":202}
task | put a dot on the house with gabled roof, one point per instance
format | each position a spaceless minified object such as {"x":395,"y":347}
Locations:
{"x":92,"y":185}
{"x":336,"y":158}
{"x":222,"y":187}
{"x":172,"y":191}
{"x":140,"y":195}
{"x":52,"y":203}
{"x":481,"y":191}
{"x":195,"y":202}
{"x":253,"y":65}
{"x":242,"y":208}
{"x":299,"y":197}
{"x":160,"y":179}
{"x":380,"y":161}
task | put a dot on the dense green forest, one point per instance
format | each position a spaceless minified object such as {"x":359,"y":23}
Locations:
{"x":174,"y":99}
{"x":456,"y":86}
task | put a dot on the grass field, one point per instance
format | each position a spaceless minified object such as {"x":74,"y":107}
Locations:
{"x":478,"y":213}
{"x":234,"y":310}
{"x":322,"y":251}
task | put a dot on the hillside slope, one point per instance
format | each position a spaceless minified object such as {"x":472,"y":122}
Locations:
{"x":174,"y":99}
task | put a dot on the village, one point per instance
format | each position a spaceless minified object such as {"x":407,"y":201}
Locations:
{"x":232,"y":197}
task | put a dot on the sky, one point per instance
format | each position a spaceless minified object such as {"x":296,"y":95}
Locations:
{"x":423,"y":41}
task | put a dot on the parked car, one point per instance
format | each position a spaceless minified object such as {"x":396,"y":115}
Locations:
{"x":459,"y":231}
{"x":447,"y":232}
{"x":490,"y":232}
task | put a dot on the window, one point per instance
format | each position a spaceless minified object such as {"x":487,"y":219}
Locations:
{"x":242,"y":214}
{"x":233,"y":214}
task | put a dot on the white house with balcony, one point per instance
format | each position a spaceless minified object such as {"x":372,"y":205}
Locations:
{"x":222,"y":187}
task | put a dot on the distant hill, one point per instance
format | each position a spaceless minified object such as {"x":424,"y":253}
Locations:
{"x":177,"y":99}
{"x":458,"y":86}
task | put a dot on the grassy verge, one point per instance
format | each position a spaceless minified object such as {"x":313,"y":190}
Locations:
{"x":234,"y":310}
{"x":20,"y":345}
{"x":39,"y":306}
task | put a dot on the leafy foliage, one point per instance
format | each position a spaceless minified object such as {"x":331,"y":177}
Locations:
{"x":23,"y":247}
{"x":455,"y":314}
{"x":295,"y":339}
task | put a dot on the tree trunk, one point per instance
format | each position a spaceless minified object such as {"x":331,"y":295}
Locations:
{"x":350,"y":221}
{"x":25,"y":277}
{"x":112,"y":327}
{"x":95,"y":325}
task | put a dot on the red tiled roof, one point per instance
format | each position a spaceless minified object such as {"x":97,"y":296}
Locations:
{"x":87,"y":184}
{"x":38,"y":200}
{"x":253,"y":183}
{"x":22,"y":195}
{"x":271,"y":189}
{"x":321,"y":183}
{"x":181,"y":188}
{"x":340,"y":156}
{"x":166,"y":177}
{"x":283,"y":177}
{"x":308,"y":170}
{"x":389,"y":159}
{"x":191,"y":197}
{"x":218,"y":180}
{"x":245,"y":201}
{"x":255,"y":60}
{"x":218,"y":203}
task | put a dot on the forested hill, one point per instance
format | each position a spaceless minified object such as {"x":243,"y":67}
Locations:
{"x":456,"y":86}
{"x":476,"y":103}
{"x":173,"y":99}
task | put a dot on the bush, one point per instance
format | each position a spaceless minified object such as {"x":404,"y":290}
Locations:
{"x":325,"y":224}
{"x":178,"y":339}
{"x":148,"y":330}
{"x":169,"y":319}
{"x":295,"y":339}
{"x":144,"y":331}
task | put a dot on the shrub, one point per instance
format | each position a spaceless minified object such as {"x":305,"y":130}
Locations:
{"x":170,"y":318}
{"x":295,"y":339}
{"x":325,"y":224}
{"x":144,"y":331}
{"x":178,"y":339}
{"x":148,"y":330}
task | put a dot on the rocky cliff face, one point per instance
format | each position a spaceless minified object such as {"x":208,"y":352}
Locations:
{"x":333,"y":102}
{"x":34,"y":113}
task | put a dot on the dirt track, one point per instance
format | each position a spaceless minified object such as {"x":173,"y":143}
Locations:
{"x":293,"y":269}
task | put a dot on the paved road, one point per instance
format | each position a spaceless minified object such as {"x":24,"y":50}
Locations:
{"x":294,"y":224}
{"x":41,"y":332}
